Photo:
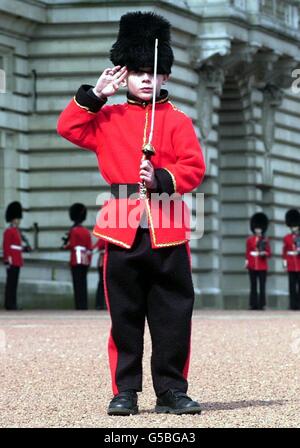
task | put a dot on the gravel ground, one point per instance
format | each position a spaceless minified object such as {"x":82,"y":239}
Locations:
{"x":244,"y":371}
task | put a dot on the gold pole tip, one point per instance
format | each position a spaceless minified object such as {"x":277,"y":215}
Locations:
{"x":148,"y":149}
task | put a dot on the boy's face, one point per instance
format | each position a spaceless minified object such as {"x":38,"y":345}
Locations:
{"x":140,"y":83}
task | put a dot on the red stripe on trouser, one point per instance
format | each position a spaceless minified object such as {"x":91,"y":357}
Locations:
{"x":187,"y":362}
{"x":112,"y":348}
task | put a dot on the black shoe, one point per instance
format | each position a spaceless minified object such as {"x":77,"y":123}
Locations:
{"x":176,"y":402}
{"x":125,"y":403}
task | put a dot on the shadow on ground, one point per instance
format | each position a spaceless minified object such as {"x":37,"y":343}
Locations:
{"x":240,"y":404}
{"x":233,"y":405}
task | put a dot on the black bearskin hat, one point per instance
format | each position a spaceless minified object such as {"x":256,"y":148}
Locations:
{"x":259,"y":221}
{"x":13,"y":211}
{"x":292,"y":218}
{"x":136,"y":39}
{"x":77,"y":212}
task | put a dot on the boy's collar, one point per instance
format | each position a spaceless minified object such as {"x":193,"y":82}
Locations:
{"x":162,"y":98}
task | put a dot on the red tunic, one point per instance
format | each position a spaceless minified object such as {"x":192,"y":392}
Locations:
{"x":100,"y":246}
{"x":116,"y":134}
{"x":80,"y":245}
{"x":290,"y":254}
{"x":12,"y":247}
{"x":255,"y":261}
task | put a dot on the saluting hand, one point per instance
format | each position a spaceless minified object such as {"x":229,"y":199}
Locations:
{"x":110,"y":80}
{"x":147,"y":174}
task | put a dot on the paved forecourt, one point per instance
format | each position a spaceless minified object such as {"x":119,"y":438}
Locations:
{"x":244,"y":371}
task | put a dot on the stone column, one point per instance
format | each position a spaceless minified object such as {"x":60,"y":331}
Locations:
{"x":271,"y":76}
{"x":207,"y":250}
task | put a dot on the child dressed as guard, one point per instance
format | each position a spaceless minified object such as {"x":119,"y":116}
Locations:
{"x":147,"y":267}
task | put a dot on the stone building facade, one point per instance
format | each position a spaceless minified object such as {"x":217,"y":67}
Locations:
{"x":237,"y":64}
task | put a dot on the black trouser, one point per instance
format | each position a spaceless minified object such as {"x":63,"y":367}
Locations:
{"x":294,"y":286}
{"x":100,"y":298}
{"x":79,"y":275}
{"x":12,"y":277}
{"x":154,"y":283}
{"x":257,"y":300}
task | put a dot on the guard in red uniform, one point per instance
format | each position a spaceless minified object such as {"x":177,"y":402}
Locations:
{"x":147,"y":266}
{"x":14,"y":243}
{"x":257,"y":253}
{"x":79,"y":242}
{"x":291,"y":256}
{"x":99,"y":246}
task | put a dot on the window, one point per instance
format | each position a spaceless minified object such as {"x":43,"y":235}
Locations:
{"x":241,"y":4}
{"x":282,"y":10}
{"x":292,"y":16}
{"x":6,"y":69}
{"x":2,"y":76}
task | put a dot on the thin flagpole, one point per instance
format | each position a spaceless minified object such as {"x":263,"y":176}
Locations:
{"x":148,"y":149}
{"x":154,"y":91}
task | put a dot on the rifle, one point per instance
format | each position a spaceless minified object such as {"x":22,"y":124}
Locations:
{"x":297,"y":243}
{"x":26,"y":246}
{"x":261,"y":245}
{"x":65,"y":239}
